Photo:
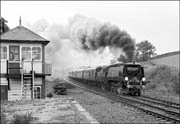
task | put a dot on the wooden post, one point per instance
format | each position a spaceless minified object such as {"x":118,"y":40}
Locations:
{"x":22,"y":72}
{"x":7,"y":72}
{"x":32,"y":79}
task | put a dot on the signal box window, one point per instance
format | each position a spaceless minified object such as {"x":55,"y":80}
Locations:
{"x":36,"y":53}
{"x":3,"y":52}
{"x":14,"y":53}
{"x":26,"y":53}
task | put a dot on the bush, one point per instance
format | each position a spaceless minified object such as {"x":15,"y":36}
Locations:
{"x":69,"y":86}
{"x":176,"y":86}
{"x":163,"y":79}
{"x":162,"y":72}
{"x":57,"y":81}
{"x":3,"y":118}
{"x":22,"y":118}
{"x":50,"y":95}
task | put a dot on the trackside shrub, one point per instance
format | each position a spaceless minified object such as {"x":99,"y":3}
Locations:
{"x":176,"y":86}
{"x":50,"y":95}
{"x":163,"y":79}
{"x":3,"y":118}
{"x":26,"y":118}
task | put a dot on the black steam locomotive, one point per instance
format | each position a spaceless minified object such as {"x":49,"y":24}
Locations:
{"x":123,"y":78}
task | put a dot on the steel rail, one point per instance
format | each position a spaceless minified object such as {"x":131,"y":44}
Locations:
{"x":152,"y":106}
{"x":134,"y":99}
{"x":164,"y":101}
{"x":159,"y":102}
{"x":125,"y":100}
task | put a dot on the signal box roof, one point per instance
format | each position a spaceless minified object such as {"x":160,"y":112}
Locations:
{"x":22,"y":34}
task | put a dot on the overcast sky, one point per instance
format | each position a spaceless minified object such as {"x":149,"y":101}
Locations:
{"x":157,"y":22}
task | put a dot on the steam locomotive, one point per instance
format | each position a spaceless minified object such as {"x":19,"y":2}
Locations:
{"x":122,"y":78}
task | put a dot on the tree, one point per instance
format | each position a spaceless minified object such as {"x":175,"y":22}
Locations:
{"x":3,"y":26}
{"x":144,"y":51}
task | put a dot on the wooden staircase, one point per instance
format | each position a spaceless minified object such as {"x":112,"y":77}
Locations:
{"x":27,"y":90}
{"x":20,"y":82}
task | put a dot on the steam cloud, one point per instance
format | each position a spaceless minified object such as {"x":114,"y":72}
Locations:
{"x":92,"y":35}
{"x":83,"y":42}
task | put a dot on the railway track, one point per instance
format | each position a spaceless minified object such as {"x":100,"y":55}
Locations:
{"x":158,"y":108}
{"x":168,"y":103}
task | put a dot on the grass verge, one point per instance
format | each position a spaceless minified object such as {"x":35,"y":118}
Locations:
{"x":164,"y":82}
{"x":26,"y":118}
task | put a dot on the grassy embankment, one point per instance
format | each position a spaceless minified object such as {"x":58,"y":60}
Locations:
{"x":164,"y":83}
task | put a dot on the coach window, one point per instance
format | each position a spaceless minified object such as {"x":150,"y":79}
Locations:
{"x":26,"y":53}
{"x":36,"y":53}
{"x":3,"y":52}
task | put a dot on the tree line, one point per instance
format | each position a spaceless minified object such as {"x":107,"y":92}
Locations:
{"x":143,"y":52}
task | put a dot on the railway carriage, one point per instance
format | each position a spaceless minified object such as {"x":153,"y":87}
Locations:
{"x":89,"y":75}
{"x":92,"y":74}
{"x":79,"y":74}
{"x":86,"y":75}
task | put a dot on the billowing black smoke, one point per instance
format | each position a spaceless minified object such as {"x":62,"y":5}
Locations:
{"x":104,"y":35}
{"x":83,"y":42}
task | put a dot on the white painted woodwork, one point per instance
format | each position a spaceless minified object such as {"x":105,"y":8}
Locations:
{"x":37,"y":66}
{"x":15,"y":90}
{"x":27,"y":64}
{"x":3,"y":81}
{"x":38,"y":81}
{"x":3,"y":67}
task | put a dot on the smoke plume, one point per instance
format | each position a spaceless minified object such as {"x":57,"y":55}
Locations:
{"x":83,"y":42}
{"x":92,"y":35}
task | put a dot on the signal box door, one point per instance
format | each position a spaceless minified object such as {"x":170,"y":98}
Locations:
{"x":37,"y":92}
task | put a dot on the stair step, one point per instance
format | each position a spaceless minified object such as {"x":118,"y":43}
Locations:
{"x":15,"y":88}
{"x":27,"y":73}
{"x":27,"y":89}
{"x":15,"y":94}
{"x":27,"y":93}
{"x":27,"y":84}
{"x":27,"y":81}
{"x":27,"y":77}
